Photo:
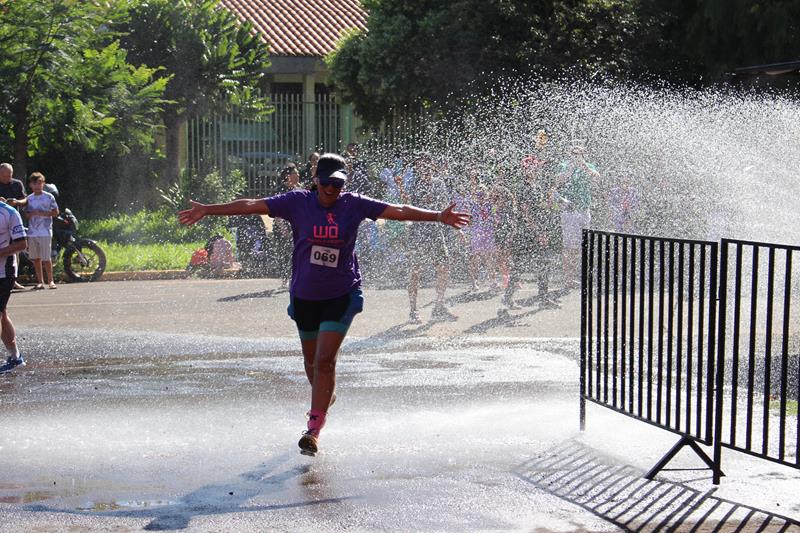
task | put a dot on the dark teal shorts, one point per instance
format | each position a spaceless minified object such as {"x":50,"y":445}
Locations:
{"x":335,"y":314}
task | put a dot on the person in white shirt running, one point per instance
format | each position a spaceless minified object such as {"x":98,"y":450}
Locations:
{"x":12,"y":241}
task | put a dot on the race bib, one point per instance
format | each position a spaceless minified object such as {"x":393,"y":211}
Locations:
{"x":323,"y":256}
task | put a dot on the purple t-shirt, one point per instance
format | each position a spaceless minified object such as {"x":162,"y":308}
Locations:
{"x":324,"y":263}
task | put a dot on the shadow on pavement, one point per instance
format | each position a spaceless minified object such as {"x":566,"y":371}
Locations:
{"x":472,"y":296}
{"x":503,"y":318}
{"x":506,"y":319}
{"x":233,"y":497}
{"x":554,"y":295}
{"x":269,"y":293}
{"x":620,"y":494}
{"x":405,"y":330}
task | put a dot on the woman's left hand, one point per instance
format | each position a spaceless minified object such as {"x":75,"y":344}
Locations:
{"x":192,"y":215}
{"x":456,"y":219}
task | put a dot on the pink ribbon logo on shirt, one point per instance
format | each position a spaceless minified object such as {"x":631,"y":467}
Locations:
{"x":331,"y":231}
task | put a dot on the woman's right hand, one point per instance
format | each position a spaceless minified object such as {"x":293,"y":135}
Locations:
{"x":192,"y":215}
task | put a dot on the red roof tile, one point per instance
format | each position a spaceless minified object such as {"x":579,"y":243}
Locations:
{"x":300,"y":27}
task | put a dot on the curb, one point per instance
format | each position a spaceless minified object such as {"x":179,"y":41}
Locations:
{"x":145,"y":275}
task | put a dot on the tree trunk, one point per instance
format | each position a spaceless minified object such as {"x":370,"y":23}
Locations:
{"x":21,"y":128}
{"x":172,"y":163}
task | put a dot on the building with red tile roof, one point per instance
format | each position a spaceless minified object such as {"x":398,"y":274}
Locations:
{"x":300,"y":28}
{"x":300,"y":33}
{"x":307,"y":116}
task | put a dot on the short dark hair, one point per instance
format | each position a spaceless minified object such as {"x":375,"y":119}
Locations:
{"x":329,"y":163}
{"x":36,"y":176}
{"x":288,"y":169}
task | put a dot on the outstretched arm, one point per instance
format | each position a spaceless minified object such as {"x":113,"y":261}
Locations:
{"x":408,"y":212}
{"x":236,"y":207}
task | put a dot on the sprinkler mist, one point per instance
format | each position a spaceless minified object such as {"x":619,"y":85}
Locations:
{"x":705,"y":164}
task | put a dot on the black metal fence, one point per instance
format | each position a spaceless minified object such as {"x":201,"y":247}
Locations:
{"x":656,"y":346}
{"x":759,"y":341}
{"x":262,"y":148}
{"x":648,"y":332}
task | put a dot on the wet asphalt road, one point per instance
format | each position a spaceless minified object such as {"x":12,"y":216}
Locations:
{"x":170,"y":405}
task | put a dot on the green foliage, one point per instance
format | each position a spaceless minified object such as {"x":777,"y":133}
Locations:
{"x":64,"y":79}
{"x":213,"y":62}
{"x":115,"y":110}
{"x":211,"y":188}
{"x":143,"y":228}
{"x":791,"y":406}
{"x":422,"y":52}
{"x":426,"y":54}
{"x":724,"y":34}
{"x":161,"y":226}
{"x":137,"y":257}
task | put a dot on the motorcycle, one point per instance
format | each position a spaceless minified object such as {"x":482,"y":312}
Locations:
{"x":84,"y":259}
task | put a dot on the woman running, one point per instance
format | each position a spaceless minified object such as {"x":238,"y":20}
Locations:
{"x":325,"y":291}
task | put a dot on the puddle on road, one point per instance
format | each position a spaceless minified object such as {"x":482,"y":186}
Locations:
{"x":19,"y":496}
{"x":27,"y":497}
{"x":101,"y":506}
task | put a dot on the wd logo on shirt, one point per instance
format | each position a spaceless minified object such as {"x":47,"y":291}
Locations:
{"x":331,"y":231}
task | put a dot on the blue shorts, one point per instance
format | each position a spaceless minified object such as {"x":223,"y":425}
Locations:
{"x":335,"y":314}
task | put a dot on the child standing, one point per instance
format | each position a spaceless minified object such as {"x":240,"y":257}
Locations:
{"x":40,"y":208}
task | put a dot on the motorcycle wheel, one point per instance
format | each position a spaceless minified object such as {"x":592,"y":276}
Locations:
{"x":85,"y":261}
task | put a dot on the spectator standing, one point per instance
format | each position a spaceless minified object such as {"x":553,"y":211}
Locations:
{"x":311,"y":167}
{"x":396,"y":175}
{"x":391,"y":235}
{"x":40,"y":207}
{"x":505,"y":226}
{"x":537,"y":233}
{"x":360,"y":181}
{"x":11,"y":191}
{"x":575,"y":180}
{"x":482,"y":245}
{"x":426,"y":244}
{"x":623,"y":201}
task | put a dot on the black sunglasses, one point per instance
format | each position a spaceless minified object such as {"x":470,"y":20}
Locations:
{"x":336,"y":182}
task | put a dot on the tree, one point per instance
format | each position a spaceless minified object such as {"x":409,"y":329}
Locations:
{"x":63,"y":79}
{"x":422,"y":52}
{"x":724,"y":34}
{"x":658,"y":46}
{"x":212,"y":62}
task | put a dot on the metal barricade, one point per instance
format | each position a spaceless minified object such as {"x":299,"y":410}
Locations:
{"x":648,"y":333}
{"x":759,"y":340}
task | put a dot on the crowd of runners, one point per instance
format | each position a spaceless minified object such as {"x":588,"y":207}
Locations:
{"x":527,"y":217}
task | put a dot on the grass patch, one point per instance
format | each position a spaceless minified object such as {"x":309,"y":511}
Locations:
{"x":149,"y":240}
{"x":791,"y":406}
{"x":150,"y":227}
{"x":133,"y":257}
